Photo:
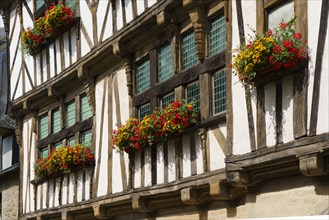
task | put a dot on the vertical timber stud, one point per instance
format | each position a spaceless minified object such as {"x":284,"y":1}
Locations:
{"x":300,"y":79}
{"x":93,"y":10}
{"x":318,"y":66}
{"x":198,"y":18}
{"x":228,"y":55}
{"x":248,"y":98}
{"x":19,"y":133}
{"x":110,"y":128}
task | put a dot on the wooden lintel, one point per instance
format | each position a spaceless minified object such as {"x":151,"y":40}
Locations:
{"x":312,"y":165}
{"x":238,"y":179}
{"x":67,"y":216}
{"x":99,"y":212}
{"x":138,"y":204}
{"x":189,"y":196}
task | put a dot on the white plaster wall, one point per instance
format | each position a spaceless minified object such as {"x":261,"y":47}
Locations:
{"x":25,"y":145}
{"x":87,"y":183}
{"x":287,"y":109}
{"x":101,"y":13}
{"x":101,"y":130}
{"x":44,"y":194}
{"x":52,"y":59}
{"x":313,"y":15}
{"x":160,"y":163}
{"x":199,"y":156}
{"x":138,"y":177}
{"x":270,"y":114}
{"x":27,"y":20}
{"x":79,"y":185}
{"x":171,"y":161}
{"x":57,"y":187}
{"x":38,"y":69}
{"x":64,"y":190}
{"x":323,"y":113}
{"x":86,"y":19}
{"x":129,"y":10}
{"x":147,"y":167}
{"x":216,"y":153}
{"x":119,"y":14}
{"x":58,"y":56}
{"x":39,"y":201}
{"x":73,"y":39}
{"x":151,"y":2}
{"x":67,"y":55}
{"x":51,"y":192}
{"x":140,"y":7}
{"x":186,"y":155}
{"x":44,"y":65}
{"x":241,"y":142}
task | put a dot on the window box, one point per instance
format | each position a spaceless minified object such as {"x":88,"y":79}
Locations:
{"x":63,"y":160}
{"x":47,"y":28}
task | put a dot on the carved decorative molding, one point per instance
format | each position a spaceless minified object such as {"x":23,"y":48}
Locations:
{"x":203,"y":136}
{"x":19,"y":131}
{"x":99,"y":212}
{"x":90,"y":84}
{"x":198,"y":18}
{"x":138,"y":204}
{"x":190,"y":196}
{"x":312,"y":165}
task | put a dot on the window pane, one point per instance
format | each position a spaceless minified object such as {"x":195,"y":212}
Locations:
{"x":70,"y":114}
{"x":217,"y":35}
{"x":39,"y":4}
{"x":87,"y":138}
{"x":283,"y":12}
{"x":144,"y":110}
{"x":85,"y":108}
{"x":44,"y":153}
{"x":71,"y":141}
{"x":43,"y":126}
{"x":189,"y":50}
{"x":58,"y":145}
{"x":7,"y":151}
{"x":167,"y":99}
{"x":193,"y":94}
{"x":165,"y":67}
{"x":143,"y":76}
{"x":220,"y":91}
{"x":56,"y":121}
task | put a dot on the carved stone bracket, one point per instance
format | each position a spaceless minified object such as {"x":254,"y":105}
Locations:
{"x":19,"y":130}
{"x":99,"y":212}
{"x":52,"y":92}
{"x":312,"y":165}
{"x":89,"y":83}
{"x":129,"y":75}
{"x":198,"y":18}
{"x":138,"y":204}
{"x":67,"y":216}
{"x":203,"y":136}
{"x":238,"y":178}
{"x":224,"y":191}
{"x":189,"y":196}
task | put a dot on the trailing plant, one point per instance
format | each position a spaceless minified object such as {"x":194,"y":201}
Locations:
{"x":280,"y":48}
{"x":154,"y":128}
{"x":55,"y":22}
{"x":63,"y":160}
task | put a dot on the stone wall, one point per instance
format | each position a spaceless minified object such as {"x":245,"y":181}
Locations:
{"x":9,"y":187}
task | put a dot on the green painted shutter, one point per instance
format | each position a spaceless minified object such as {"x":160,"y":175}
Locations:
{"x":143,"y":76}
{"x":71,"y":141}
{"x":165,"y":67}
{"x":85,"y":108}
{"x":70,"y":114}
{"x":58,"y":145}
{"x":56,"y":121}
{"x":87,"y":138}
{"x":44,"y":153}
{"x":219,"y":91}
{"x":43,"y":126}
{"x":189,"y":50}
{"x":39,"y":4}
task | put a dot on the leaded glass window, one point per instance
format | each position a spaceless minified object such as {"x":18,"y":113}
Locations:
{"x":143,"y":76}
{"x":144,"y":110}
{"x":167,"y":99}
{"x":56,"y":121}
{"x":165,"y":66}
{"x":87,"y":138}
{"x":219,"y":91}
{"x":217,"y":34}
{"x":193,"y":94}
{"x":70,"y":114}
{"x":85,"y":108}
{"x":43,"y":126}
{"x":189,"y":50}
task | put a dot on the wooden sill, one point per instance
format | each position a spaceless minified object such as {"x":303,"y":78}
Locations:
{"x":270,"y":74}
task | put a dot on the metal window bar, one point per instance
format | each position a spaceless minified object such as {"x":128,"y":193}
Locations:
{"x":165,"y":66}
{"x":143,"y":76}
{"x":219,"y":91}
{"x":193,"y":94}
{"x":188,"y":50}
{"x":217,"y":34}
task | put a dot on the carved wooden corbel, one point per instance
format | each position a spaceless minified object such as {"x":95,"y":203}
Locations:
{"x":67,"y":216}
{"x":99,"y":212}
{"x":138,"y":204}
{"x":189,"y":196}
{"x":312,"y":165}
{"x":224,"y":191}
{"x":89,"y":83}
{"x":198,"y":18}
{"x":52,"y":91}
{"x":19,"y":130}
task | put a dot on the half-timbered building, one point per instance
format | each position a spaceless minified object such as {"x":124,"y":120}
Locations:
{"x":264,"y":154}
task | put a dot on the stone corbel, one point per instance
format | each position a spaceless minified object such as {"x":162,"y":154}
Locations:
{"x":189,"y":196}
{"x":198,"y":18}
{"x":138,"y":204}
{"x":89,"y":83}
{"x":312,"y":165}
{"x":99,"y":212}
{"x":238,"y":179}
{"x":224,"y":191}
{"x":52,"y":92}
{"x":27,"y":105}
